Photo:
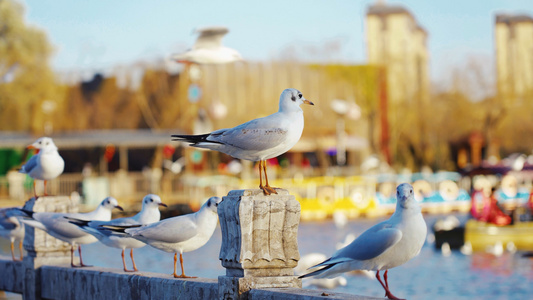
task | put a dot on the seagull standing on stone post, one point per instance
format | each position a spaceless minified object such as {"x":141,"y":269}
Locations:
{"x":258,"y":139}
{"x":384,"y":246}
{"x":47,"y":164}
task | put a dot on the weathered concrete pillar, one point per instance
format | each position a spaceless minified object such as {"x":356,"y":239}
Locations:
{"x":42,"y":248}
{"x":259,"y":242}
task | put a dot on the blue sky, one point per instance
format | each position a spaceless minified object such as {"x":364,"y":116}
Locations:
{"x":96,"y":34}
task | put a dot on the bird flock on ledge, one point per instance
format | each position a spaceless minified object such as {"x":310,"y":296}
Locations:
{"x":384,"y":246}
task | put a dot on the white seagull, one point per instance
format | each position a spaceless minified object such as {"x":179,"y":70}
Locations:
{"x":56,"y":224}
{"x":384,"y":246}
{"x":208,"y":48}
{"x":148,"y":214}
{"x":178,"y":234}
{"x":47,"y":164}
{"x":11,"y":228}
{"x":258,"y":139}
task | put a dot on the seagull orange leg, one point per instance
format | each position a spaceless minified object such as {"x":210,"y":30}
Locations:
{"x":81,"y":260}
{"x":133,"y":260}
{"x":45,"y":188}
{"x":388,"y":293}
{"x":270,"y":189}
{"x":20,"y":249}
{"x":13,"y":250}
{"x":124,"y":262}
{"x":175,"y":262}
{"x":182,"y":270}
{"x":265,"y":191}
{"x":72,"y":257}
{"x":34,"y":189}
{"x":386,"y":278}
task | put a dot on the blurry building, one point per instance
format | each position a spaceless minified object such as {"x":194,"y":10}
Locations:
{"x":396,"y":41}
{"x":514,"y":57}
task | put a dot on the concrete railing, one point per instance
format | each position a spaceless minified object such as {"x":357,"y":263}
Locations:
{"x":259,"y":251}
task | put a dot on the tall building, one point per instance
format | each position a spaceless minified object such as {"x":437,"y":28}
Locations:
{"x":513,"y":36}
{"x":396,"y":41}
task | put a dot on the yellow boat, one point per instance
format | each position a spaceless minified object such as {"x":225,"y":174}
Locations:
{"x":321,"y":197}
{"x":482,"y":235}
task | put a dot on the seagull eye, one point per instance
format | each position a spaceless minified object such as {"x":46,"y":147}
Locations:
{"x":300,"y":95}
{"x":151,"y":200}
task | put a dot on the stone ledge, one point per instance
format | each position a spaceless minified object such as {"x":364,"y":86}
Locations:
{"x":105,"y":283}
{"x":60,"y":282}
{"x":301,"y":294}
{"x":11,"y":275}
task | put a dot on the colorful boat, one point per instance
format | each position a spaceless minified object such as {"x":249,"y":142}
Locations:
{"x":482,"y":235}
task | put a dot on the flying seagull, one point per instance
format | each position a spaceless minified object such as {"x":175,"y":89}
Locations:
{"x":208,"y":48}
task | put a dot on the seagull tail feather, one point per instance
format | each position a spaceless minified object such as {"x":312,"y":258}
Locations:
{"x":317,"y":272}
{"x":119,"y":228}
{"x":27,"y":213}
{"x":193,"y":139}
{"x":78,"y":222}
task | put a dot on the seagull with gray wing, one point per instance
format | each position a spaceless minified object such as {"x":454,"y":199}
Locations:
{"x":383,"y":246}
{"x":208,"y":48}
{"x":11,"y":228}
{"x":258,"y":139}
{"x":177,"y":234}
{"x":47,"y":164}
{"x":148,"y":214}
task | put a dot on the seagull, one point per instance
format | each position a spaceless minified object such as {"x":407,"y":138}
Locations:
{"x":47,"y":164}
{"x":178,"y":234}
{"x":208,"y":48}
{"x":11,"y":228}
{"x":56,"y":224}
{"x":384,"y":246}
{"x":258,"y":139}
{"x":148,"y":214}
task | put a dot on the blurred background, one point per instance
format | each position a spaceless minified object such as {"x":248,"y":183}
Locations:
{"x":404,"y":91}
{"x":438,"y":94}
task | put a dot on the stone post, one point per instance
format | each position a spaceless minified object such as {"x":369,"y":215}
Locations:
{"x":259,"y":242}
{"x":43,"y":249}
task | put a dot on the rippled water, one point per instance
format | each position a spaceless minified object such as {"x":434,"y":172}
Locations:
{"x":428,"y":276}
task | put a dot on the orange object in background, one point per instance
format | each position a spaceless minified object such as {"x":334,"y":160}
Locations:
{"x":486,"y":209}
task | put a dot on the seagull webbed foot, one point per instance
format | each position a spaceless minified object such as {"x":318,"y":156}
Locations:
{"x":271,"y":189}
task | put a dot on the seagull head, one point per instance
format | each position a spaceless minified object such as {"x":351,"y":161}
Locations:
{"x":405,"y":195}
{"x":43,"y":144}
{"x":291,"y":99}
{"x":212,"y":203}
{"x":152,"y":201}
{"x":110,"y":203}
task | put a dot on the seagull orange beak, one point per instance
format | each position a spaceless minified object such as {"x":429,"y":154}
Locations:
{"x":31,"y":147}
{"x":162,"y":204}
{"x":308,"y":102}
